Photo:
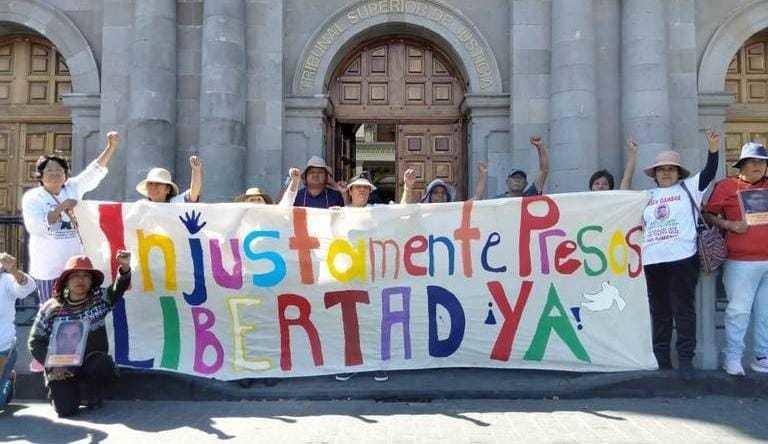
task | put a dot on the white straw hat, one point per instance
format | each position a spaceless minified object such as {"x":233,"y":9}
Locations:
{"x":157,"y":175}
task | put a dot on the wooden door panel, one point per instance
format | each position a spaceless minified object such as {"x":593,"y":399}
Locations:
{"x":9,"y":166}
{"x":433,"y":151}
{"x":396,"y":78}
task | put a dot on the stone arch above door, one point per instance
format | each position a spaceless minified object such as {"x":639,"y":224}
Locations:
{"x":363,"y":20}
{"x":743,"y":22}
{"x":55,"y":26}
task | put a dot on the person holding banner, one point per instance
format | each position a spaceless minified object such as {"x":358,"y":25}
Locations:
{"x":517,"y":180}
{"x":159,"y":187}
{"x":48,"y":213}
{"x":669,"y":252}
{"x":359,"y":190}
{"x":440,"y":191}
{"x":78,"y":296}
{"x":603,"y":180}
{"x":745,"y":273}
{"x":254,"y":195}
{"x":320,"y":190}
{"x":14,"y":284}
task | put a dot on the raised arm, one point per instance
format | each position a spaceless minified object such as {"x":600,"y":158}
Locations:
{"x":710,"y":169}
{"x":409,"y":178}
{"x":123,"y":281}
{"x":541,"y":179}
{"x":21,"y":285}
{"x":482,"y":181}
{"x":196,"y":180}
{"x":629,"y":168}
{"x":289,"y":195}
{"x":113,"y":141}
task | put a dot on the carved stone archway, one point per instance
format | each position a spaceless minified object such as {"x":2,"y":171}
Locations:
{"x":356,"y":22}
{"x":85,"y":98}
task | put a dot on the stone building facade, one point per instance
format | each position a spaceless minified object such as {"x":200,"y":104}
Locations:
{"x":258,"y":86}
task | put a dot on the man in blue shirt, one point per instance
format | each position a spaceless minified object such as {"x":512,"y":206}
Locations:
{"x":320,"y":190}
{"x":517,"y":180}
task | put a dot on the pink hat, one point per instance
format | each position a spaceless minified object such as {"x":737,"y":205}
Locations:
{"x":665,"y":158}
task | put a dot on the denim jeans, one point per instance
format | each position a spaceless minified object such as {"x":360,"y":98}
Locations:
{"x":5,"y":373}
{"x":746,"y":283}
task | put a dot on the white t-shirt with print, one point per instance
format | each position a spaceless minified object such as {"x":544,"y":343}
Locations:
{"x":670,"y":228}
{"x":10,"y":291}
{"x":51,"y":245}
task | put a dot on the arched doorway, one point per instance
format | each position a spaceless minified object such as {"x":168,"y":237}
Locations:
{"x":396,"y":105}
{"x":747,"y":80}
{"x":33,"y":121}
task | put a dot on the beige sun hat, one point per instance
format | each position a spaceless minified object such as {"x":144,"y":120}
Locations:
{"x":316,"y":162}
{"x":256,"y":191}
{"x":157,"y":175}
{"x":360,"y":181}
{"x":665,"y":158}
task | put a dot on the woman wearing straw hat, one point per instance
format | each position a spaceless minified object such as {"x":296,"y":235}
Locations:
{"x":255,"y":195}
{"x":48,"y":213}
{"x":358,"y":192}
{"x":669,"y":254}
{"x":77,"y":297}
{"x":745,"y":273}
{"x":158,"y":186}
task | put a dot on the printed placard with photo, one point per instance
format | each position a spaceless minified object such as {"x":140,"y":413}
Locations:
{"x":754,"y":205}
{"x":67,"y":344}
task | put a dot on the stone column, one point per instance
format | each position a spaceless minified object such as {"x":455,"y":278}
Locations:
{"x":222,"y":99}
{"x":683,"y":82}
{"x":151,"y":128}
{"x":304,"y":134}
{"x":530,"y":87}
{"x":713,"y":107}
{"x":264,"y":42}
{"x":645,"y":93}
{"x":85,"y":110}
{"x":116,"y":62}
{"x":610,"y":146}
{"x":488,"y":136}
{"x":573,"y":103}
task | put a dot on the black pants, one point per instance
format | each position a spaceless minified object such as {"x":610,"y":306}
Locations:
{"x":672,"y":294}
{"x":90,"y":380}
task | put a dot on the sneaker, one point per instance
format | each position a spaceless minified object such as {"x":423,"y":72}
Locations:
{"x":380,"y":377}
{"x":36,"y":367}
{"x":344,"y":376}
{"x":733,"y":367}
{"x":760,"y":364}
{"x":686,"y":371}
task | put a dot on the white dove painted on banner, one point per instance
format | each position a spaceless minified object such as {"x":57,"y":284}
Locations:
{"x":603,"y":300}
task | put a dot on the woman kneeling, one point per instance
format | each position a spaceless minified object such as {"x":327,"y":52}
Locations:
{"x":78,"y":300}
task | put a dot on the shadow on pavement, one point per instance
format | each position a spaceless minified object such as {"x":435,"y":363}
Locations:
{"x":38,"y":429}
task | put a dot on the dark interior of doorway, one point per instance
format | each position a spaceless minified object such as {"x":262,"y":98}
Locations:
{"x":368,"y":148}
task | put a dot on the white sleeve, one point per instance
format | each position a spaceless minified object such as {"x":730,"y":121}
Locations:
{"x":180,"y":198}
{"x":35,"y":213}
{"x":21,"y":291}
{"x":289,"y":197}
{"x":88,"y":179}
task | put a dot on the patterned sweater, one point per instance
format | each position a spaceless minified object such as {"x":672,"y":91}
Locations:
{"x":95,"y":310}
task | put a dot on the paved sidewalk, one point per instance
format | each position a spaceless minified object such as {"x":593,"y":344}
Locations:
{"x":702,"y":420}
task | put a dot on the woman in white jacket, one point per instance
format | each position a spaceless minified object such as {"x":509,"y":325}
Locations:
{"x":48,"y":213}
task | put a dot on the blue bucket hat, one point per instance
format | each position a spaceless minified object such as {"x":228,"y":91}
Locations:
{"x":751,"y":150}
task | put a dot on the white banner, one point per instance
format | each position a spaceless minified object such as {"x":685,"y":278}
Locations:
{"x":238,"y":290}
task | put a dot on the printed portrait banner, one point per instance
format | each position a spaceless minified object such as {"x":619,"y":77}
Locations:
{"x":239,"y":290}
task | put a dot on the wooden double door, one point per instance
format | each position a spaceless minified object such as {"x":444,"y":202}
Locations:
{"x":33,"y":122}
{"x":412,"y":85}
